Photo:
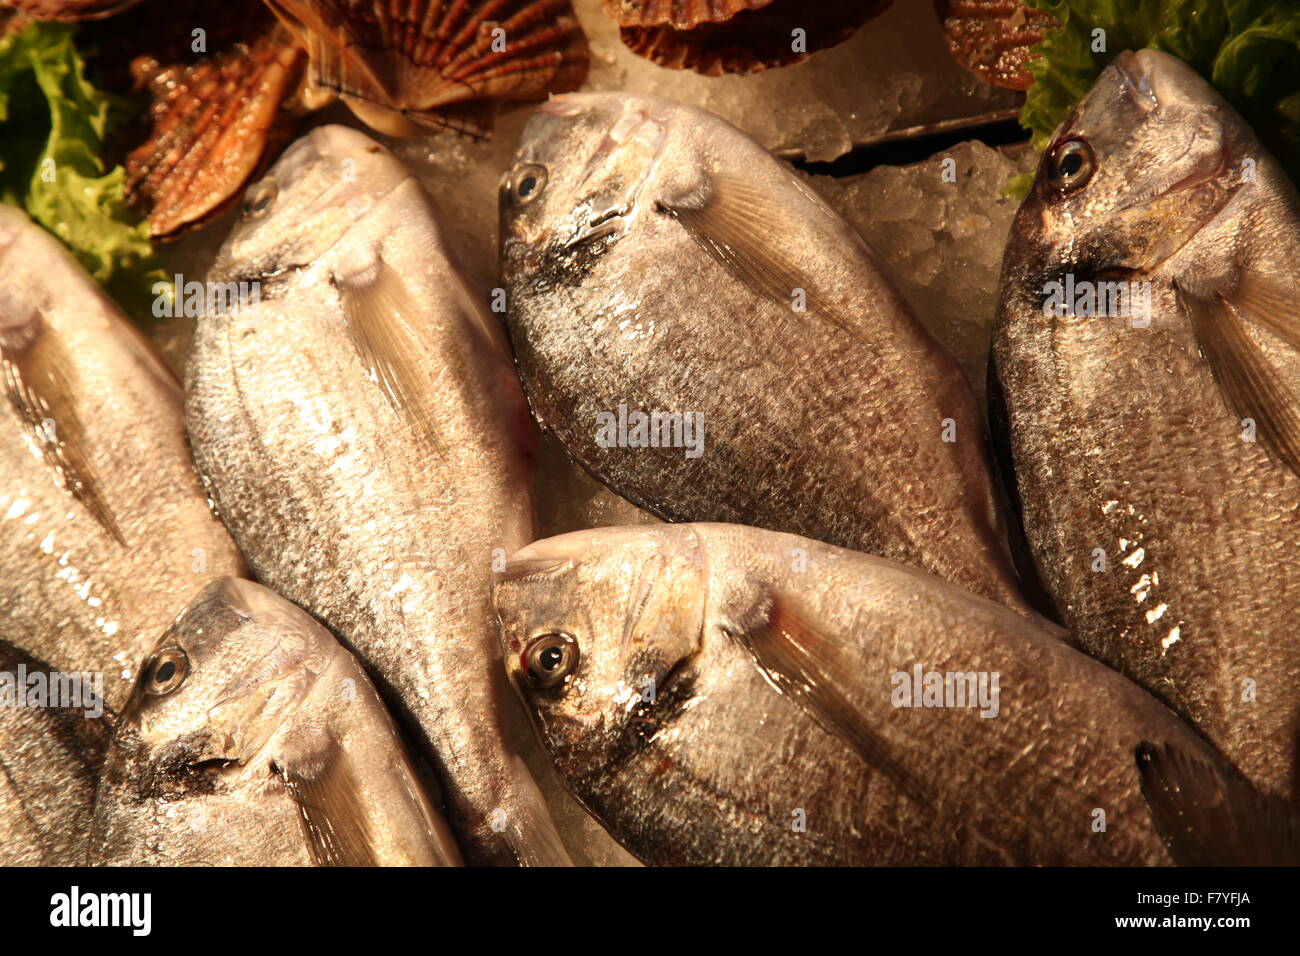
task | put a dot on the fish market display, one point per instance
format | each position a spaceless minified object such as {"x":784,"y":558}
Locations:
{"x":648,"y":432}
{"x":711,"y":341}
{"x":720,"y":694}
{"x":53,"y":735}
{"x":255,"y":739}
{"x":1146,"y":354}
{"x":105,"y":531}
{"x":366,"y":439}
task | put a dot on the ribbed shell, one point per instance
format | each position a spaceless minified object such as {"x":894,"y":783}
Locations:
{"x":677,"y":14}
{"x":410,"y":58}
{"x":749,"y":40}
{"x":214,"y":121}
{"x":71,"y":9}
{"x":992,"y":38}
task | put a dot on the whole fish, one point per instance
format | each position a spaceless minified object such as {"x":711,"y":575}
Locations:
{"x":51,"y":751}
{"x":1146,"y":352}
{"x":708,"y":338}
{"x":716,"y":694}
{"x":104,"y":528}
{"x":366,"y":439}
{"x":255,"y":739}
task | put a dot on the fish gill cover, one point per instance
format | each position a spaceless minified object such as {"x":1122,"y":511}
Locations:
{"x":1249,"y":50}
{"x":54,"y":125}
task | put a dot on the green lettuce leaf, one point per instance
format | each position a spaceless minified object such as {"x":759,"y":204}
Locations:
{"x":53,"y":128}
{"x":1249,"y":50}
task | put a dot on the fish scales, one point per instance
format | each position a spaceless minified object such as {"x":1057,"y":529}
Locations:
{"x":367,"y":442}
{"x":1157,"y":478}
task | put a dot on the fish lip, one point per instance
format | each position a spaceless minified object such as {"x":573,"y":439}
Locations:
{"x":560,"y":104}
{"x":518,"y":569}
{"x":1136,"y":76}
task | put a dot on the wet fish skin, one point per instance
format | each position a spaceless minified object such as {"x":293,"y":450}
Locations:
{"x":653,"y":259}
{"x":104,"y":530}
{"x":50,"y":759}
{"x":1128,"y":441}
{"x":367,"y":440}
{"x":265,"y":744}
{"x":686,"y":732}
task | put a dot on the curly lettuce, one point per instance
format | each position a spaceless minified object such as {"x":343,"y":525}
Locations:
{"x":1249,"y":50}
{"x":53,"y":128}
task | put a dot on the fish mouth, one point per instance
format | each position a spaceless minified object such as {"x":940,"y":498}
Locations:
{"x":567,"y":105}
{"x":1135,"y":70}
{"x":554,"y":553}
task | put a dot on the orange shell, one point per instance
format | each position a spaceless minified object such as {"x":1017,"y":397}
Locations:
{"x":404,"y":64}
{"x":71,"y":9}
{"x":991,"y":38}
{"x":752,"y":39}
{"x":677,"y":14}
{"x":214,"y":122}
{"x":12,"y":21}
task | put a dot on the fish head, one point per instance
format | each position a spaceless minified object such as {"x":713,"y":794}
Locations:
{"x":307,"y":201}
{"x":600,"y":630}
{"x":1147,"y":158}
{"x":236,"y":665}
{"x":587,"y":165}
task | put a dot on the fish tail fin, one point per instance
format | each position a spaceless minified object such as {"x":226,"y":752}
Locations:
{"x":1209,"y":815}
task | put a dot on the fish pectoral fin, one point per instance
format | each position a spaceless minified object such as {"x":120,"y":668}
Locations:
{"x":809,"y":668}
{"x":379,"y":314}
{"x":1250,"y":384}
{"x":736,"y":225}
{"x":1265,"y":302}
{"x":329,"y":807}
{"x":1211,"y":817}
{"x":37,"y":379}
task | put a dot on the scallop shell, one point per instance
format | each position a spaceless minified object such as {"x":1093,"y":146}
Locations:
{"x":992,"y":38}
{"x":13,"y":21}
{"x":756,"y":35}
{"x":677,"y":14}
{"x":406,"y":65}
{"x":71,"y":9}
{"x":215,"y":124}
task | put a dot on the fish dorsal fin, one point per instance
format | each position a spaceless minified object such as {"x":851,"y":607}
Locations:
{"x":380,"y":311}
{"x":1210,"y":817}
{"x":1250,"y":384}
{"x":38,"y":375}
{"x":328,"y":797}
{"x":808,"y":667}
{"x":737,"y":225}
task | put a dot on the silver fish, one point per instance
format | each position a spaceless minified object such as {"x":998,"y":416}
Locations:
{"x":1156,"y":445}
{"x":708,"y":338}
{"x":104,"y":528}
{"x":255,"y":739}
{"x":367,"y":441}
{"x":716,"y":694}
{"x":51,"y":752}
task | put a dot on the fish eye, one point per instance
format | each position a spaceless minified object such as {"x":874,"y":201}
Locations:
{"x":528,"y":183}
{"x":166,"y":671}
{"x":1070,"y":165}
{"x":259,"y":199}
{"x":549,"y":659}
